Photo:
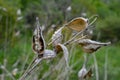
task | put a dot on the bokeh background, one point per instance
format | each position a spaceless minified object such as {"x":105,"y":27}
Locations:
{"x":17,"y":23}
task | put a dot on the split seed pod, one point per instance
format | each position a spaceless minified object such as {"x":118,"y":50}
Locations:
{"x":38,"y":43}
{"x":57,"y":37}
{"x":89,"y":74}
{"x":82,"y":73}
{"x":49,"y":54}
{"x":61,"y":47}
{"x":90,"y":46}
{"x":78,"y":24}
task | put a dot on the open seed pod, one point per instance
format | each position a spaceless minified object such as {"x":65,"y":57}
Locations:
{"x":38,"y":42}
{"x":61,"y":47}
{"x":57,"y":37}
{"x":89,"y":74}
{"x":58,"y":48}
{"x":90,"y":46}
{"x":78,"y":24}
{"x":49,"y":54}
{"x":82,"y":73}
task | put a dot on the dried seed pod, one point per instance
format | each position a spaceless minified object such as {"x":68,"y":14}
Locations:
{"x":65,"y":52}
{"x":58,"y":48}
{"x":78,"y":24}
{"x":49,"y":54}
{"x":90,"y":46}
{"x":57,"y":37}
{"x":89,"y":74}
{"x":82,"y":73}
{"x":38,"y":43}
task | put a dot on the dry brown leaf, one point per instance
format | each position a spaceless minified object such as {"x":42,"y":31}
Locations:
{"x":38,"y":43}
{"x":77,"y":24}
{"x":90,"y":46}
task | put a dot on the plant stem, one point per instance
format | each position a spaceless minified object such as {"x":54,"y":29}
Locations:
{"x":96,"y":67}
{"x":66,"y":43}
{"x":95,"y":18}
{"x":30,"y":70}
{"x":105,"y":66}
{"x":3,"y":68}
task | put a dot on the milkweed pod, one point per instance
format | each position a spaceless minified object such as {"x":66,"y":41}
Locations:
{"x":49,"y":54}
{"x":57,"y":37}
{"x":60,"y":47}
{"x":82,"y":73}
{"x":78,"y":24}
{"x":89,"y":74}
{"x":90,"y":46}
{"x":38,"y":42}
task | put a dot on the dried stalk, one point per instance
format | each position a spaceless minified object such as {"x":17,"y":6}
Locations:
{"x":95,"y":18}
{"x":11,"y":76}
{"x":96,"y":67}
{"x":70,"y":40}
{"x":32,"y":63}
{"x":105,"y":66}
{"x":31,"y":69}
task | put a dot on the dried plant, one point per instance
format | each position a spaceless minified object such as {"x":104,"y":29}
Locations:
{"x":81,"y":26}
{"x":65,"y":51}
{"x":57,"y":37}
{"x":78,"y":24}
{"x":38,"y":41}
{"x":90,"y":46}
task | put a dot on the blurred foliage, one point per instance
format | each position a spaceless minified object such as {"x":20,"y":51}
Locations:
{"x":20,"y":15}
{"x":109,"y":26}
{"x":17,"y":20}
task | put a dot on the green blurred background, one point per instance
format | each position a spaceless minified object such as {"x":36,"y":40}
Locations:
{"x":17,"y":23}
